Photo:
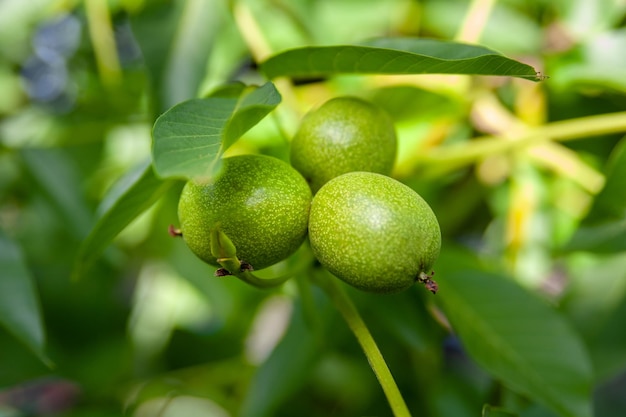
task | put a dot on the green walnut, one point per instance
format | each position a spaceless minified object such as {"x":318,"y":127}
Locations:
{"x":345,"y":134}
{"x":374,"y":233}
{"x":260,"y":203}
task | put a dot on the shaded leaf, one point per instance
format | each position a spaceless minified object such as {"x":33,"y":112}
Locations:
{"x":608,"y":346}
{"x":490,"y":411}
{"x":516,"y":337}
{"x":196,"y":31}
{"x":604,"y":228}
{"x":395,"y":56}
{"x":63,"y":188}
{"x":611,"y":200}
{"x":461,"y":390}
{"x":20,"y":313}
{"x":606,"y":237}
{"x":189,"y":139}
{"x":133,"y":195}
{"x":177,"y":39}
{"x":595,"y":303}
{"x":420,"y":334}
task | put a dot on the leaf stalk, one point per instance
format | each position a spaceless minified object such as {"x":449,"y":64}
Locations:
{"x":346,"y":307}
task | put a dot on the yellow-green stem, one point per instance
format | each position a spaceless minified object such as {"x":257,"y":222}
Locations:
{"x":475,"y":20}
{"x":286,"y":117}
{"x":101,"y":32}
{"x":346,"y":307}
{"x":226,"y":254}
{"x":480,"y":148}
{"x":262,"y":283}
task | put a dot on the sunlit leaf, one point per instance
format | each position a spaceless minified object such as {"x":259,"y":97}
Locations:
{"x":516,"y":337}
{"x":20,"y":313}
{"x":135,"y":193}
{"x":395,"y":56}
{"x":190,"y":137}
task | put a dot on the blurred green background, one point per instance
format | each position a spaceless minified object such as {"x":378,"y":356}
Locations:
{"x":149,"y":331}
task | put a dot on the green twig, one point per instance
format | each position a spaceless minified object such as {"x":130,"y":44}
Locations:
{"x":226,"y":254}
{"x":233,"y":266}
{"x":480,"y":148}
{"x":351,"y":315}
{"x":262,"y":283}
{"x":250,"y":29}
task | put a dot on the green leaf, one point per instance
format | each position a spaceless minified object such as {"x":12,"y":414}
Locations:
{"x":395,"y":56}
{"x":607,"y":346}
{"x":253,"y":107}
{"x":611,"y":201}
{"x":134,"y":194}
{"x":20,"y":313}
{"x":595,"y":303}
{"x":178,"y":41}
{"x":604,"y":229}
{"x":63,"y":188}
{"x":606,"y":237}
{"x":490,"y":411}
{"x":516,"y":337}
{"x":190,"y":138}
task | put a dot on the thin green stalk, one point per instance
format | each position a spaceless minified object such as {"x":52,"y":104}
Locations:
{"x":480,"y":148}
{"x":346,"y":307}
{"x":261,"y":283}
{"x":101,"y":32}
{"x":226,"y":254}
{"x":286,"y":117}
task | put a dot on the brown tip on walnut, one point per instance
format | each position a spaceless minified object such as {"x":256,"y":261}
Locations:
{"x":174,"y":232}
{"x":245,"y":266}
{"x":430,"y":284}
{"x":222,"y":272}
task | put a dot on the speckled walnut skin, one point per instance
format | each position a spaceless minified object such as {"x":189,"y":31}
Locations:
{"x":345,"y":134}
{"x":261,"y":203}
{"x":373,"y":232}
